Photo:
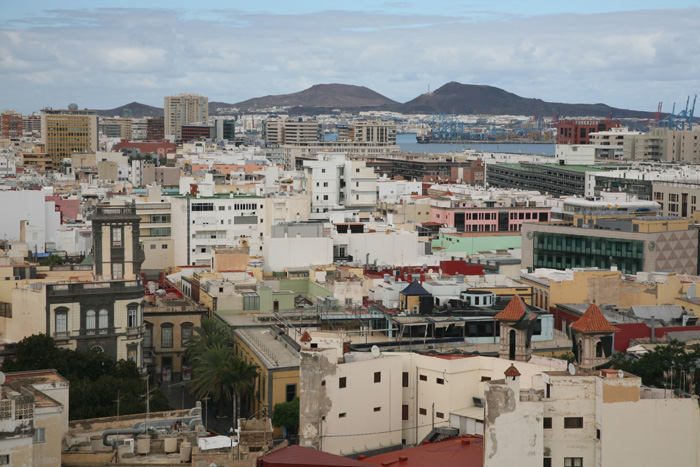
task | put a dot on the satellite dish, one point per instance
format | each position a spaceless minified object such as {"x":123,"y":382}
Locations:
{"x":376,"y":353}
{"x":620,"y":374}
{"x":572,"y":369}
{"x":2,"y":378}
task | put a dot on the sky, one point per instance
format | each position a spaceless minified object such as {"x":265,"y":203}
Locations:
{"x":105,"y":54}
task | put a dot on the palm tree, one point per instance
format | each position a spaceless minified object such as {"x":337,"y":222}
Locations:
{"x":244,"y":383}
{"x":210,"y":333}
{"x":220,"y":375}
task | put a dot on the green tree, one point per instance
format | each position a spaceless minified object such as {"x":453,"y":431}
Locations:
{"x":666,"y":366}
{"x":52,"y":260}
{"x":220,"y":375}
{"x":211,"y":332}
{"x":286,"y":414}
{"x":96,"y":380}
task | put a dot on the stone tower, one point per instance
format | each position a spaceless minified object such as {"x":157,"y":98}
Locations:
{"x":116,"y":249}
{"x":592,"y":339}
{"x":517,"y":324}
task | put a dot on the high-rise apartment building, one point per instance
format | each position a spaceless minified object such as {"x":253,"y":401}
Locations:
{"x":67,"y":131}
{"x":155,"y":129}
{"x":182,"y":110}
{"x":10,"y":124}
{"x":290,"y":131}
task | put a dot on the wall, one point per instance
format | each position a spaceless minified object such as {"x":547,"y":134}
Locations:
{"x":296,"y":252}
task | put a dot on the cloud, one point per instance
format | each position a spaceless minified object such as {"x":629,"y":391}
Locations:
{"x":103,"y":58}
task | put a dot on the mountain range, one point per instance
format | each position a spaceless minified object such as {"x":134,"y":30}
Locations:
{"x":452,"y":98}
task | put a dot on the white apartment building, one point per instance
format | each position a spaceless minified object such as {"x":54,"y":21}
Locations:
{"x":369,"y":403}
{"x":392,"y":191}
{"x":184,"y":109}
{"x":600,"y":418}
{"x":610,"y":144}
{"x":339,"y":184}
{"x":289,"y":131}
{"x":210,"y":220}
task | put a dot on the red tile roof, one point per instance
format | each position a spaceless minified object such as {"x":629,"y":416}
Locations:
{"x":306,"y":457}
{"x":466,"y":451}
{"x":593,"y":321}
{"x":513,"y":311}
{"x":511,"y":371}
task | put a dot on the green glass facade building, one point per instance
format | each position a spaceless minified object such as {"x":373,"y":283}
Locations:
{"x":562,"y":251}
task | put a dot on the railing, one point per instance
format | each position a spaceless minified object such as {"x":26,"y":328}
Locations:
{"x":134,"y":330}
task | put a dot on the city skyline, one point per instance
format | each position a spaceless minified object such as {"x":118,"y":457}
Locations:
{"x":106,"y":57}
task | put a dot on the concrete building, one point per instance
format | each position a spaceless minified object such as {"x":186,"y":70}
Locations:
{"x":281,"y":130}
{"x":557,"y":180}
{"x":10,"y":124}
{"x":210,"y":220}
{"x":469,"y":216}
{"x":184,"y":109}
{"x":611,"y":144}
{"x":33,"y":418}
{"x":579,"y":131}
{"x":587,"y":417}
{"x":404,"y":397}
{"x":371,"y":131}
{"x":64,"y":132}
{"x":337,"y":183}
{"x":632,"y":244}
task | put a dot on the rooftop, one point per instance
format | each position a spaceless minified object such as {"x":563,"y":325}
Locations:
{"x":269,"y":347}
{"x":593,"y":321}
{"x":465,"y":451}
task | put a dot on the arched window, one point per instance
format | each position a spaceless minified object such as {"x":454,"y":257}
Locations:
{"x":580,"y":351}
{"x":90,"y":322}
{"x":103,"y":321}
{"x":186,"y":332}
{"x":599,"y":350}
{"x":97,"y":348}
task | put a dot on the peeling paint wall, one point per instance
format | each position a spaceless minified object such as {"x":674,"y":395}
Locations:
{"x":513,"y":429}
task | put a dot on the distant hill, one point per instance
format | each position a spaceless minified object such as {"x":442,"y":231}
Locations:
{"x":326,"y":96}
{"x":137,"y":111}
{"x":466,"y":99}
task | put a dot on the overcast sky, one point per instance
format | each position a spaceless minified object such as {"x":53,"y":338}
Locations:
{"x":626,"y":54}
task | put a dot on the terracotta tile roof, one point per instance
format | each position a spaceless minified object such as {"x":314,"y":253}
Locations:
{"x":593,"y":321}
{"x":511,"y":371}
{"x":306,"y":337}
{"x":513,"y":311}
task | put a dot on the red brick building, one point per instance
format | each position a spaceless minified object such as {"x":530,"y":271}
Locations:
{"x":578,"y":131}
{"x":11,"y":125}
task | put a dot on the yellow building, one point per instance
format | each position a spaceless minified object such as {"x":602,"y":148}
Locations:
{"x":33,"y":418}
{"x":67,"y":131}
{"x":277,"y":358}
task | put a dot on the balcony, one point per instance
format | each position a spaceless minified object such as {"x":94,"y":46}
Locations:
{"x":133,"y":331}
{"x":78,"y":288}
{"x":98,"y":332}
{"x":61,"y":335}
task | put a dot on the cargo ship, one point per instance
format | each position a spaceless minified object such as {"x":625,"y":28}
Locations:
{"x":423,"y":136}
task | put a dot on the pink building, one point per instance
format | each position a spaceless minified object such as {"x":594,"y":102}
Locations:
{"x":69,"y":208}
{"x":465,"y":217}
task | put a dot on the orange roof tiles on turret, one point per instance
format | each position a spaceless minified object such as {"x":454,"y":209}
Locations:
{"x":515,"y":310}
{"x":593,"y":321}
{"x":511,"y":371}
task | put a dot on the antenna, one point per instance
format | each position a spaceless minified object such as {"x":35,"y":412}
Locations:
{"x":572,"y":369}
{"x":376,"y":353}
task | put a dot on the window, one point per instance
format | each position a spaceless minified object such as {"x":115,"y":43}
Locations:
{"x":547,"y":423}
{"x":116,"y":237}
{"x":599,"y":350}
{"x":251,"y":301}
{"x":573,"y":422}
{"x":377,"y":409}
{"x":485,"y":378}
{"x":132,"y":315}
{"x":423,"y":412}
{"x":423,"y":378}
{"x":439,"y":415}
{"x":117,"y":271}
{"x":90,"y":322}
{"x":153,"y":246}
{"x":547,"y":462}
{"x":148,"y":335}
{"x":597,"y":434}
{"x":246,"y":220}
{"x":186,"y":333}
{"x":377,"y":376}
{"x":342,"y":382}
{"x":4,"y":459}
{"x":103,"y":320}
{"x":166,"y":336}
{"x":325,"y":197}
{"x":439,"y":380}
{"x":61,"y":321}
{"x":131,"y":352}
{"x":405,"y":379}
{"x":342,"y":415}
{"x":573,"y":462}
{"x":164,"y":246}
{"x":39,"y":435}
{"x":291,"y":392}
{"x":202,"y":206}
{"x":404,"y":412}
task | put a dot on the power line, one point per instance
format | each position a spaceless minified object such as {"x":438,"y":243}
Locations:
{"x":382,"y":432}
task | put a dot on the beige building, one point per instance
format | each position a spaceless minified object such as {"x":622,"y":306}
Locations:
{"x":290,"y":131}
{"x":184,"y":109}
{"x":361,"y":403}
{"x":64,"y":132}
{"x":373,"y":131}
{"x":33,"y":418}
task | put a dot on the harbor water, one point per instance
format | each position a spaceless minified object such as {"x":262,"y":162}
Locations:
{"x":408,"y":143}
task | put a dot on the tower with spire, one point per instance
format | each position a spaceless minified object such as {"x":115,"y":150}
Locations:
{"x":517,"y":324}
{"x":592,"y":337}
